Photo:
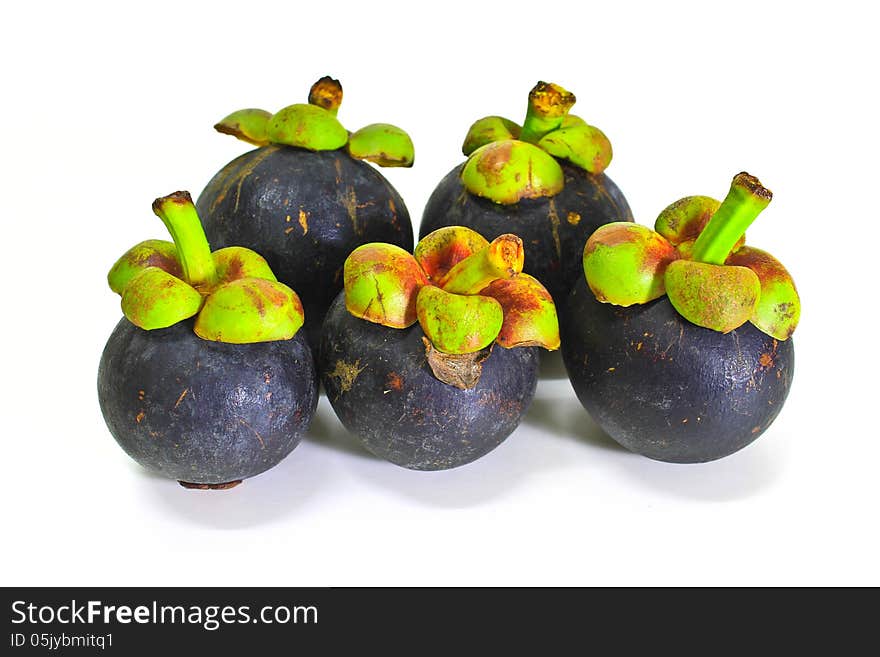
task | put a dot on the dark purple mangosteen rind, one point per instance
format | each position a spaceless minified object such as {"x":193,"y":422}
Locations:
{"x":668,"y":389}
{"x":380,"y":385}
{"x":586,"y":202}
{"x":205,"y":412}
{"x":255,"y":202}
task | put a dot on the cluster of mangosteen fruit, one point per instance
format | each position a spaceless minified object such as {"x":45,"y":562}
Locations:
{"x":676,"y":340}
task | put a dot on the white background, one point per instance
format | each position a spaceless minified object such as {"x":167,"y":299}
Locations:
{"x":108,"y":107}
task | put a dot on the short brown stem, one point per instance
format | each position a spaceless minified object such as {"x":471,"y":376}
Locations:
{"x":224,"y":486}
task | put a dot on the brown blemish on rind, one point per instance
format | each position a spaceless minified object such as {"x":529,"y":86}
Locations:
{"x":462,"y":371}
{"x":492,"y":164}
{"x":304,"y":221}
{"x":441,"y":250}
{"x":257,"y":299}
{"x":573,"y":218}
{"x":347,"y":373}
{"x":256,"y":433}
{"x":553,"y":217}
{"x":349,"y":201}
{"x":169,"y":265}
{"x":394,"y":381}
{"x":181,"y":398}
{"x":529,"y":313}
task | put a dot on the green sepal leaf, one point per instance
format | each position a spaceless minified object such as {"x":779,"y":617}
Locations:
{"x":234,"y":262}
{"x":248,"y":125}
{"x":779,"y":307}
{"x":151,"y":253}
{"x":717,"y":297}
{"x":487,"y":130}
{"x":583,"y":145}
{"x":439,"y":251}
{"x":684,"y":220}
{"x":458,"y":324}
{"x":155,"y":299}
{"x":571,"y":120}
{"x":306,"y":126}
{"x":510,"y":170}
{"x":249,"y":310}
{"x":382,"y":143}
{"x":530,"y":318}
{"x":624,"y":263}
{"x":381,"y":284}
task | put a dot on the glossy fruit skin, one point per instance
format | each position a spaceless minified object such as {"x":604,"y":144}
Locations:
{"x":383,"y":390}
{"x":205,"y":412}
{"x":553,"y":229}
{"x":666,"y":388}
{"x":304,"y":212}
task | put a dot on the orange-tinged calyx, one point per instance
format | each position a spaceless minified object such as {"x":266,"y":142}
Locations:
{"x":697,"y":257}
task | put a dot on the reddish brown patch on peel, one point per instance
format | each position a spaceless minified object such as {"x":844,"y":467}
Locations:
{"x":394,"y":381}
{"x":257,"y":299}
{"x":168,"y":264}
{"x":609,"y":235}
{"x":491,"y":165}
{"x":234,"y":268}
{"x":658,"y":253}
{"x":768,"y":269}
{"x":272,"y":294}
{"x":529,"y":313}
{"x":443,"y":249}
{"x":436,"y":264}
{"x":766,"y":360}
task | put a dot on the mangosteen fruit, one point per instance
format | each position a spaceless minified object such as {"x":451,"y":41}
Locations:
{"x":306,"y":197}
{"x":542,"y":181}
{"x":431,"y":359}
{"x":208,"y":378}
{"x":677,"y":340}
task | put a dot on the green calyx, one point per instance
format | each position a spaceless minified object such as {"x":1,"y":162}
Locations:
{"x":508,"y":171}
{"x":503,"y":174}
{"x":249,"y":125}
{"x":624,"y":263}
{"x":456,"y":323}
{"x":313,"y":126}
{"x":465,"y":292}
{"x":382,"y":143}
{"x":696,"y":256}
{"x":306,"y":126}
{"x":232,"y":292}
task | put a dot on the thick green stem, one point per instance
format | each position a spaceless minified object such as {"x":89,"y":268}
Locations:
{"x":326,"y":93}
{"x":548,"y":105}
{"x":179,"y":215}
{"x":744,"y":202}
